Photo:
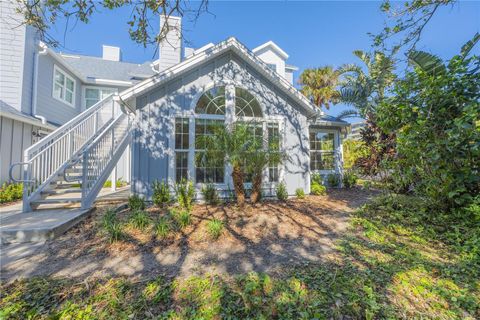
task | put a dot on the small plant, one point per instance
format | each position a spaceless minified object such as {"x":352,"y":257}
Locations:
{"x":161,"y":193}
{"x":333,"y":180}
{"x":210,"y":194}
{"x":300,"y":193}
{"x":11,"y":192}
{"x":113,"y":228}
{"x":349,"y":179}
{"x":282,"y":193}
{"x":139,"y":219}
{"x":182,"y":218}
{"x":316,"y":178}
{"x":119,"y":183}
{"x":135,"y":202}
{"x":162,"y":227}
{"x":215,"y":228}
{"x":318,"y":189}
{"x":185,"y":193}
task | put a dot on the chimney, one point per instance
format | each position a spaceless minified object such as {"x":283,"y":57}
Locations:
{"x":170,"y":48}
{"x":112,"y":53}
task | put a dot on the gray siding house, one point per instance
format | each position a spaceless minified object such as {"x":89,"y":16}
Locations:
{"x":168,"y":104}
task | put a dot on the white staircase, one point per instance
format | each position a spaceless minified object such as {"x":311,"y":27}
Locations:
{"x":70,"y":165}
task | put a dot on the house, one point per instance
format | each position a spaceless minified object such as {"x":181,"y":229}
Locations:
{"x":355,"y":130}
{"x":156,"y":113}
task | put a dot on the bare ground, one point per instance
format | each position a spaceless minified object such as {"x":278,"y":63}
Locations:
{"x":262,"y":238}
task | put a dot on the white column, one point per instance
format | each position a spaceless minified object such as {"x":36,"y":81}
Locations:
{"x":229,"y":119}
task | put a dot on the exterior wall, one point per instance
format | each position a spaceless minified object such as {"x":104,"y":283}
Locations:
{"x":170,"y":49}
{"x":151,"y":156}
{"x":54,"y":110}
{"x":289,"y":76}
{"x":15,"y":136}
{"x":269,"y":56}
{"x":12,"y":48}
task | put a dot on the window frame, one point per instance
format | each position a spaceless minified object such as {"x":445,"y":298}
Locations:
{"x":64,"y":88}
{"x":181,"y":150}
{"x":84,"y":94}
{"x":334,"y":150}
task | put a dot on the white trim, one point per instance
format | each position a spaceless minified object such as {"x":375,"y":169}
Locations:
{"x":275,"y":48}
{"x":91,"y":80}
{"x":67,"y":76}
{"x":33,"y":122}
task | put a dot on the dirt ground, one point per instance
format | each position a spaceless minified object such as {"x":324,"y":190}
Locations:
{"x":262,"y":238}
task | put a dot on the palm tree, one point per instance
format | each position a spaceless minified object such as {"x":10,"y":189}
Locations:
{"x":320,"y":85}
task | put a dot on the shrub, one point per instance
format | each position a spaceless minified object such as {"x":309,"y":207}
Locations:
{"x":333,"y":180}
{"x":215,"y":228}
{"x":185,"y":193}
{"x":112,"y":227}
{"x":161,"y":193}
{"x":210,"y":194}
{"x":162,"y":227}
{"x":11,"y":192}
{"x":316,"y":178}
{"x":349,"y":179}
{"x":182,"y":218}
{"x":282,"y":193}
{"x":300,"y":193}
{"x":318,"y":189}
{"x":139,"y":219}
{"x":135,"y":202}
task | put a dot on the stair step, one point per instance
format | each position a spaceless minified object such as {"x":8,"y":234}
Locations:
{"x":54,"y":201}
{"x":67,"y":185}
{"x":61,"y":191}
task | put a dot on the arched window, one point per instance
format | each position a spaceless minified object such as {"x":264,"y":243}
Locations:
{"x":246,"y":105}
{"x":212,"y":102}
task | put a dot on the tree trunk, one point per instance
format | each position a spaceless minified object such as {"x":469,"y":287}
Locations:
{"x":256,"y":187}
{"x":237,"y":177}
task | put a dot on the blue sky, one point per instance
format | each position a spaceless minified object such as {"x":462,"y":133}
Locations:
{"x":312,"y":33}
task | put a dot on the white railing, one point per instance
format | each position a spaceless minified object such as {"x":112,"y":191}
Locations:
{"x":46,"y":158}
{"x":101,"y":156}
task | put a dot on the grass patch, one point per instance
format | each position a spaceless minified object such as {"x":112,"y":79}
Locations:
{"x":163,"y":227}
{"x":215,"y":228}
{"x":139,"y":219}
{"x":112,"y":226}
{"x":182,"y":218}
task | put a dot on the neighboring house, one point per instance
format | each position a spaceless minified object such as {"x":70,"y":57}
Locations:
{"x":355,"y":130}
{"x":173,"y":100}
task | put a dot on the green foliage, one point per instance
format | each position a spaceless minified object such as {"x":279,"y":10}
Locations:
{"x":10,"y":192}
{"x":112,"y":226}
{"x":318,"y":189}
{"x":119,"y":183}
{"x":161,"y":193}
{"x":162,"y":227}
{"x":353,"y":150}
{"x":333,"y":180}
{"x":435,"y":116}
{"x":320,"y":85}
{"x":316,"y":178}
{"x":182,"y":218}
{"x":136,"y":202}
{"x":185,"y":193}
{"x":139,"y":219}
{"x":300,"y":193}
{"x":210,"y":194}
{"x":215,"y":228}
{"x":349,"y":179}
{"x":281,"y":192}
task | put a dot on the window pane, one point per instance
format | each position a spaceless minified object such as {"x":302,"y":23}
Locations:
{"x":59,"y":78}
{"x":246,"y":105}
{"x":212,"y":102}
{"x":321,"y":161}
{"x":321,"y":141}
{"x":181,"y":165}
{"x":92,"y":94}
{"x":58,"y":91}
{"x":70,"y":84}
{"x":181,"y":133}
{"x":69,"y":96}
{"x":273,"y":144}
{"x":89,"y":103}
{"x":207,"y":170}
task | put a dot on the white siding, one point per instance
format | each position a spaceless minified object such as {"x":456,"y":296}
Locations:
{"x":271,"y":57}
{"x":170,"y":49}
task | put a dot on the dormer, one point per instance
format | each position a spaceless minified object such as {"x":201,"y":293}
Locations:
{"x":275,"y":58}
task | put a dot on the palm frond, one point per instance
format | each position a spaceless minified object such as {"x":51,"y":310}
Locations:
{"x":467,"y":47}
{"x":350,"y":113}
{"x":429,"y":63}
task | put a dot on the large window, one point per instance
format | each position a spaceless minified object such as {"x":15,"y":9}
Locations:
{"x":94,"y":95}
{"x":181,"y":148}
{"x":63,"y":86}
{"x":246,"y":105}
{"x":273,"y":145}
{"x":212,"y":102}
{"x":321,"y":150}
{"x":207,"y":170}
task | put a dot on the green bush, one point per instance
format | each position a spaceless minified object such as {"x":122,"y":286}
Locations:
{"x":119,"y":183}
{"x":139,"y":219}
{"x":316,"y":178}
{"x":210,"y":194}
{"x":300,"y":193}
{"x":135,"y":202}
{"x":281,"y":191}
{"x":215,"y":228}
{"x":11,"y":192}
{"x":162,"y":227}
{"x":185,"y":193}
{"x":333,"y":180}
{"x":161,"y":193}
{"x":112,"y":226}
{"x":182,"y":218}
{"x":349,"y":179}
{"x":318,"y":189}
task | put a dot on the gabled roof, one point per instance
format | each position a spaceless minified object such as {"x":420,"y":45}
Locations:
{"x":10,"y":112}
{"x":270,"y":44}
{"x":211,"y":53}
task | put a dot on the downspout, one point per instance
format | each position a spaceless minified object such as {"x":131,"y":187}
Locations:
{"x":35,"y":82}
